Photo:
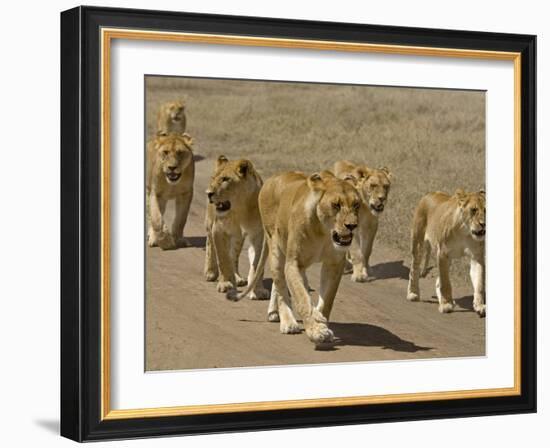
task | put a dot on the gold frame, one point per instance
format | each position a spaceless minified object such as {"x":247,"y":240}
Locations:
{"x":107,"y":35}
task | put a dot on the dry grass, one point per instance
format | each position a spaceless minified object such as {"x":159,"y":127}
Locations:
{"x":430,"y":139}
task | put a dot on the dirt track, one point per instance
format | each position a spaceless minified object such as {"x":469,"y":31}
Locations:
{"x":190,"y":325}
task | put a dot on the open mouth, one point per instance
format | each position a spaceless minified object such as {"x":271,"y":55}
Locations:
{"x":173,"y":177}
{"x":176,"y":118}
{"x":341,"y":240}
{"x":377,"y":208}
{"x":479,"y":233}
{"x":223,"y":206}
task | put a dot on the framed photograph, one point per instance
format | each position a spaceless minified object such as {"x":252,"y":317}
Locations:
{"x":272,"y":223}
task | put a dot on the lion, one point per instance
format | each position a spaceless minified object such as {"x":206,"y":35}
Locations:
{"x":453,"y":226}
{"x":306,"y":219}
{"x":233,"y":216}
{"x":373,"y":186}
{"x":170,"y":175}
{"x":171,"y":118}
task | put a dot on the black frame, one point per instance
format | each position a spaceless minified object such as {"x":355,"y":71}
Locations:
{"x":81,"y":220}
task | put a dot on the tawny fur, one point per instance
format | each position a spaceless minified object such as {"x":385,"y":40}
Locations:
{"x":373,"y":186}
{"x":169,"y":156}
{"x":236,"y":183}
{"x":171,"y":118}
{"x":306,"y":220}
{"x":451,"y":226}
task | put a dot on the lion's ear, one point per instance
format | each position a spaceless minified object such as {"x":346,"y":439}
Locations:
{"x":361,"y":172}
{"x":188,"y":140}
{"x":462,"y":197}
{"x":327,"y":175}
{"x":222,"y":160}
{"x":387,"y":172}
{"x":482,"y":192}
{"x":315,"y":182}
{"x":243,"y":167}
{"x":351,"y":179}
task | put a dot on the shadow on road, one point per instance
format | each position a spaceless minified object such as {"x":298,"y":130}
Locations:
{"x":466,"y":302}
{"x":366,"y":335}
{"x":391,"y":269}
{"x":196,"y":241}
{"x":198,"y":157}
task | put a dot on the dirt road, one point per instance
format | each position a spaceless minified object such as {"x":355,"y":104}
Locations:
{"x":190,"y":325}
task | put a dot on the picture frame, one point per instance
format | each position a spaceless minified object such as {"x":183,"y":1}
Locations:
{"x":86,"y":209}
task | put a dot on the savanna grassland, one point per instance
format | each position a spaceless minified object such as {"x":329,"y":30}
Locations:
{"x":430,"y":139}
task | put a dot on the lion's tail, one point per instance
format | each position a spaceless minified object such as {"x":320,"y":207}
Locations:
{"x":233,"y":294}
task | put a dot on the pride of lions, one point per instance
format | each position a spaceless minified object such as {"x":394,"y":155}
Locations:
{"x":297,"y":219}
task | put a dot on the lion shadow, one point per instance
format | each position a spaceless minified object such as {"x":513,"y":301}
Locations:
{"x":390,"y":269}
{"x":196,"y":241}
{"x":367,"y":335}
{"x":466,"y":302}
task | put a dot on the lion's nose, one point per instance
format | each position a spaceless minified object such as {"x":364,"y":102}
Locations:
{"x":482,"y":225}
{"x":351,"y":227}
{"x":209,"y":194}
{"x":172,"y":168}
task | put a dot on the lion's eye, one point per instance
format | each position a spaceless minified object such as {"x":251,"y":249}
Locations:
{"x":355,"y":205}
{"x":473,"y":211}
{"x":336,"y":206}
{"x":225,"y":179}
{"x":374,"y":185}
{"x":165,"y":153}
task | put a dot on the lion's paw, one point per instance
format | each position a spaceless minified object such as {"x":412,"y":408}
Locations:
{"x":446,"y":307}
{"x":211,"y":276}
{"x":273,"y":316}
{"x":291,"y":327}
{"x":413,"y":297}
{"x":240,"y":281}
{"x":480,"y":309}
{"x":224,"y":286}
{"x":362,"y":277}
{"x":151,"y":238}
{"x":166,"y":241}
{"x":320,"y":334}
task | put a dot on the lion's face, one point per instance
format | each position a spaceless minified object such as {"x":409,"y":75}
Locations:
{"x":472,"y":206}
{"x":175,"y":110}
{"x":374,"y":187}
{"x":337,"y":208}
{"x":228,"y":183}
{"x":174,"y":154}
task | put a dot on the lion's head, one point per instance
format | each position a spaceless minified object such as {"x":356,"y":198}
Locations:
{"x":472,"y":208}
{"x":174,"y":110}
{"x":231,"y":184}
{"x":373,"y":185}
{"x":336,"y":205}
{"x":173,"y":155}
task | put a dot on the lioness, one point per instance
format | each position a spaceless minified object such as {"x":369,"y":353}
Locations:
{"x":232,"y":216}
{"x":170,"y":175}
{"x":306,"y":220}
{"x":171,"y":118}
{"x":373,"y":186}
{"x":453,"y":226}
